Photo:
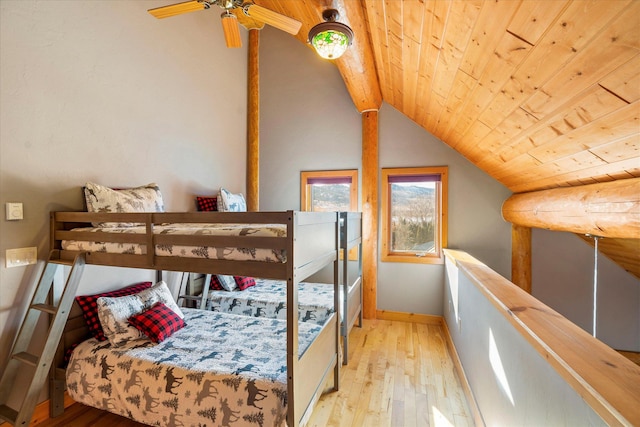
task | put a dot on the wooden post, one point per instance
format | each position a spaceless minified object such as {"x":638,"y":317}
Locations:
{"x":369,"y":213}
{"x":253,"y":122}
{"x":521,"y":257}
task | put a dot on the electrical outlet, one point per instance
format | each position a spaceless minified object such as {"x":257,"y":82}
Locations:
{"x":21,"y":256}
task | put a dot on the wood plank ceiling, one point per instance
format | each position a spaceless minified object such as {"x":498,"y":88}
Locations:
{"x":538,"y":94}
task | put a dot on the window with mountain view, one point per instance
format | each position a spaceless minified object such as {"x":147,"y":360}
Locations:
{"x":329,"y":191}
{"x":414,"y":214}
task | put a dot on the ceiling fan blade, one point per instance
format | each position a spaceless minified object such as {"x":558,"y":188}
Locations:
{"x":177,"y":9}
{"x":246,"y":21}
{"x":231,"y":30}
{"x":272,"y":18}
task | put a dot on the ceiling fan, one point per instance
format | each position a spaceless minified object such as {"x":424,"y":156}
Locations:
{"x":248,"y":14}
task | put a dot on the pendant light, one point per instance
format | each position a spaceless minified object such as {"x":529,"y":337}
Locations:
{"x":330,"y":38}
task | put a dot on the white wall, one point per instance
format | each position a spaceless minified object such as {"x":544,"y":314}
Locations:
{"x":475,"y":222}
{"x":512,"y":383}
{"x":307,"y":119}
{"x":102,"y":91}
{"x":308,"y":122}
{"x":562,"y":278}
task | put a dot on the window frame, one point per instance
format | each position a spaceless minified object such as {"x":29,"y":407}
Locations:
{"x":305,"y":196}
{"x":441,"y":211}
{"x":305,"y":193}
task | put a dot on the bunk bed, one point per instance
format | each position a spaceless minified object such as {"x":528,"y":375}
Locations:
{"x":268,"y":297}
{"x":294,"y":246}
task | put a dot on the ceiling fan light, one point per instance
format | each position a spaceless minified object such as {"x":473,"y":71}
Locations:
{"x":330,"y":44}
{"x":330,"y":39}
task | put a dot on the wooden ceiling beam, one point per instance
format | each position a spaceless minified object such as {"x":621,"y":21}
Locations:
{"x":609,"y":209}
{"x":357,"y":64}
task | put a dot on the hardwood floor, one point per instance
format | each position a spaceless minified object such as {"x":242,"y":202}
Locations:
{"x":399,"y":374}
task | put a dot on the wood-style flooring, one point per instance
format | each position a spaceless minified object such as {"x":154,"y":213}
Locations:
{"x":399,"y":374}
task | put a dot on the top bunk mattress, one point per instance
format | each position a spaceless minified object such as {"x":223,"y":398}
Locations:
{"x":102,"y":243}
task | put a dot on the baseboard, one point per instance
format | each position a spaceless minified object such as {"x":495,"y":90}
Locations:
{"x":471,"y":400}
{"x":425,"y":319}
{"x":41,"y":413}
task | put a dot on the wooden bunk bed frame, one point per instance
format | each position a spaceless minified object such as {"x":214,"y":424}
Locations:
{"x":312,"y":242}
{"x":351,"y":305}
{"x":350,"y":237}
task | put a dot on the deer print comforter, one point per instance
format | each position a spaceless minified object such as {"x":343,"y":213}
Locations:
{"x":220,"y":370}
{"x":268,"y":299}
{"x":102,"y":243}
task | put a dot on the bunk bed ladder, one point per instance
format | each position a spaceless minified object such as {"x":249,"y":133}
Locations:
{"x":187,"y":288}
{"x":33,"y":365}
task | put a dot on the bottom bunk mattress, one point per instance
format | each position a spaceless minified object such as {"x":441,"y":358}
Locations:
{"x":220,"y":369}
{"x":268,"y":299}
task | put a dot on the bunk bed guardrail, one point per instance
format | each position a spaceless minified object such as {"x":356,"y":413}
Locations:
{"x":311,"y":242}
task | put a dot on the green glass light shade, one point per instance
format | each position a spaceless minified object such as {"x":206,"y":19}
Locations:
{"x":330,"y":44}
{"x":330,"y":39}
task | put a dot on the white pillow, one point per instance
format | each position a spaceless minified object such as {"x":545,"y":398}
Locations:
{"x":227,"y":282}
{"x":230,"y":202}
{"x":114,"y":312}
{"x":140,"y":199}
{"x":159,"y":293}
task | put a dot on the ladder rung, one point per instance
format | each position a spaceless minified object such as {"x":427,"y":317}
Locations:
{"x":8,"y":414}
{"x":61,"y":261}
{"x":190,"y":297}
{"x":27,"y":358}
{"x":51,"y":309}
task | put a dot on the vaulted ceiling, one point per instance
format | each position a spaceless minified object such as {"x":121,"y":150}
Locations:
{"x":538,"y":94}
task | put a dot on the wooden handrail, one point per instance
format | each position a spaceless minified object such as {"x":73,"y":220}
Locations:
{"x":607,"y":381}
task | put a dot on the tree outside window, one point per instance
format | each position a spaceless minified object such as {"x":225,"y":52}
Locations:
{"x":414,"y":214}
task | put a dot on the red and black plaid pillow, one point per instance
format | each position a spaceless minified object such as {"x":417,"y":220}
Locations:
{"x":207,"y":204}
{"x":244,"y":282}
{"x":215,"y":283}
{"x":89,"y":306}
{"x":158,"y":323}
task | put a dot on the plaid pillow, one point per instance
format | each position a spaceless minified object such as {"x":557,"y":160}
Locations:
{"x":158,"y":323}
{"x":207,"y":204}
{"x":89,"y":306}
{"x":221,"y":282}
{"x":244,"y":282}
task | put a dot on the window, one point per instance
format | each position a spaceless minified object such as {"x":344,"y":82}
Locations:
{"x":329,"y":191}
{"x":414,"y":214}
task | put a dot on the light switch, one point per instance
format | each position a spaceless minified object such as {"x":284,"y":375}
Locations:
{"x":13,"y":211}
{"x":21,"y":256}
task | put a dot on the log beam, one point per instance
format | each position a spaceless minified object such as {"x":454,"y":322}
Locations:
{"x":369,"y":213}
{"x":608,"y":209}
{"x":357,"y":64}
{"x":521,"y":257}
{"x":253,"y":122}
